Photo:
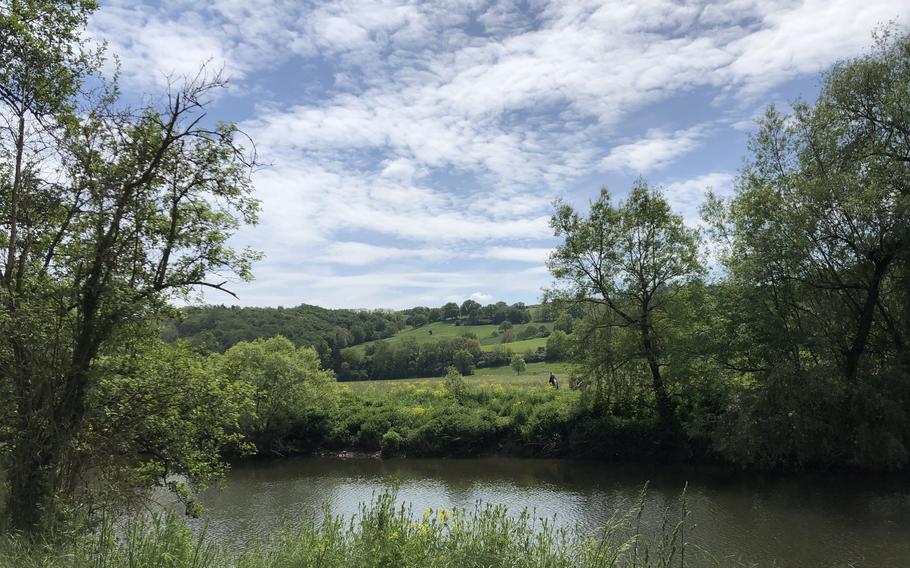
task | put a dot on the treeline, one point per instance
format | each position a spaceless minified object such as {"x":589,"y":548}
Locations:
{"x":217,"y":328}
{"x":473,"y":313}
{"x":794,"y":351}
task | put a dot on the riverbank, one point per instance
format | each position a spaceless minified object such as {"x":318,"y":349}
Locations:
{"x":382,"y":534}
{"x":433,"y":418}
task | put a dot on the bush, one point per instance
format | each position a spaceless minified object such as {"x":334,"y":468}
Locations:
{"x":391,"y":443}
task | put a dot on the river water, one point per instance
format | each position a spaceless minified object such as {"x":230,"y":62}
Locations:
{"x":798,"y":521}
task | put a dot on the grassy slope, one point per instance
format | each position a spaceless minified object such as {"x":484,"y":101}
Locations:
{"x":536,"y":375}
{"x":483,"y":332}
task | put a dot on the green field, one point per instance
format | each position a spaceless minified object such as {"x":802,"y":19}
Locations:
{"x":484,"y":333}
{"x":519,"y":346}
{"x":536,"y":375}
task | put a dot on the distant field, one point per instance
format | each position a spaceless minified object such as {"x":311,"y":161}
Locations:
{"x":536,"y":375}
{"x":519,"y":346}
{"x":484,"y":333}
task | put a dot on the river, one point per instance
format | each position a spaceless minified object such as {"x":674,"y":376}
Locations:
{"x":786,"y":521}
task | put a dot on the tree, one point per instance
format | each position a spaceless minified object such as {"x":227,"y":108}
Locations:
{"x":140,"y":211}
{"x":160,"y":413}
{"x":817,"y":245}
{"x":418,"y":320}
{"x":450,"y":311}
{"x":518,"y":364}
{"x":505,"y":325}
{"x":464,"y":362}
{"x":558,"y":346}
{"x":287,"y":381}
{"x":629,"y":259}
{"x":470,"y":310}
{"x":454,"y":384}
{"x":564,"y":323}
{"x":836,"y":176}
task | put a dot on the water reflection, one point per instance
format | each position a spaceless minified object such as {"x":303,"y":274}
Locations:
{"x":768,"y":520}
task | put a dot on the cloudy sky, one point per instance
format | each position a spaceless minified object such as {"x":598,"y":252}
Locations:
{"x":415,"y":149}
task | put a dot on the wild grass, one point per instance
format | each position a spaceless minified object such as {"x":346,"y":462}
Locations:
{"x":383,"y":534}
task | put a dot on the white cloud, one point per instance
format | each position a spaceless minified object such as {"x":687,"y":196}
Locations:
{"x":360,"y":254}
{"x":519,"y":254}
{"x":446,"y":138}
{"x":481,"y":298}
{"x":655,"y":151}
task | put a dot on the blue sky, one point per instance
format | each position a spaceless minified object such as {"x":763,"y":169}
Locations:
{"x":415,"y":149}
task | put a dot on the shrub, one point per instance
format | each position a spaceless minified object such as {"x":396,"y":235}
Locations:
{"x":391,"y":443}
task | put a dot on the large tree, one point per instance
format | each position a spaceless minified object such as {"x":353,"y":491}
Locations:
{"x":138,"y":208}
{"x":817,"y":248}
{"x":628,"y":261}
{"x":820,"y":226}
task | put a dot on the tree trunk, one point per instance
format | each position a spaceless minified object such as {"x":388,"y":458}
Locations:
{"x":664,"y":408}
{"x":32,"y":482}
{"x":851,"y":363}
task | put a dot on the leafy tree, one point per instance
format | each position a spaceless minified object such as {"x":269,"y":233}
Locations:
{"x":564,"y":323}
{"x":470,"y":310}
{"x":505,"y":325}
{"x":834,"y":176}
{"x":139,"y":211}
{"x":160,"y":412}
{"x":817,"y":243}
{"x":450,"y":311}
{"x":508,"y":336}
{"x":287,"y":383}
{"x":464,"y":362}
{"x":518,"y":364}
{"x":629,"y":259}
{"x":558,"y":346}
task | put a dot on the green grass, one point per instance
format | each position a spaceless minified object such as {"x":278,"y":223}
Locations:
{"x":535,"y":375}
{"x":519,"y":347}
{"x":382,"y":535}
{"x":440,"y":329}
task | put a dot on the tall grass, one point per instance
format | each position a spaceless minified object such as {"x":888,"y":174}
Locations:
{"x":382,"y":535}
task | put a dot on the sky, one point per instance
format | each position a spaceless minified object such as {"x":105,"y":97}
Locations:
{"x":414,"y":150}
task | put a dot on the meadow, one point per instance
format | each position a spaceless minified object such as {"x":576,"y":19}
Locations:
{"x":488,"y":335}
{"x":535,"y":376}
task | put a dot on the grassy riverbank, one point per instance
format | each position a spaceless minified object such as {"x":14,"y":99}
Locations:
{"x":382,"y":535}
{"x":502,"y":415}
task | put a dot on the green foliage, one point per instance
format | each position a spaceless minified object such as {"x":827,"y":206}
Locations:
{"x":518,"y":364}
{"x":454,"y":383}
{"x":391,"y":443}
{"x":817,"y":245}
{"x":559,"y":346}
{"x":384,"y":534}
{"x":220,"y":327}
{"x":627,"y":263}
{"x":564,"y":323}
{"x":159,"y":411}
{"x":287,"y":382}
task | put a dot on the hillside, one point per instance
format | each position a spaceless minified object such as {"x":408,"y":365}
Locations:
{"x":217,"y":328}
{"x":488,"y":335}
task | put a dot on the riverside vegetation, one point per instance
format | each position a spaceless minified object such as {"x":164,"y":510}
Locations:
{"x":382,"y":535}
{"x":792,"y":354}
